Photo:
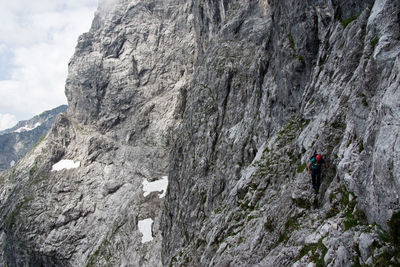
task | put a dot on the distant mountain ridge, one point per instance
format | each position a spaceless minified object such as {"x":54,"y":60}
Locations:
{"x":15,"y":142}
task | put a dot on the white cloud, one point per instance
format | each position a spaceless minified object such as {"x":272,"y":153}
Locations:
{"x":3,"y":48}
{"x":41,"y":36}
{"x":7,"y":121}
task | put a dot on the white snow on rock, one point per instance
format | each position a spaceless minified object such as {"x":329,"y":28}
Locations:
{"x":145,"y":228}
{"x":156,"y":186}
{"x":26,"y":128}
{"x":65,"y":164}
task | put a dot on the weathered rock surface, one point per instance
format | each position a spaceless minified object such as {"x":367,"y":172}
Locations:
{"x":274,"y":82}
{"x":123,"y":89}
{"x":229,"y":99}
{"x":20,"y":139}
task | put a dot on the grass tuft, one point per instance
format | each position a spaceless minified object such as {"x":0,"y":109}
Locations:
{"x":346,"y":22}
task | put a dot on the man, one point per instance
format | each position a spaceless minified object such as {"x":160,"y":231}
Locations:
{"x":314,"y":168}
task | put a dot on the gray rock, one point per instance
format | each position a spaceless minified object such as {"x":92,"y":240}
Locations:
{"x":299,"y":77}
{"x":229,"y":99}
{"x":342,"y":258}
{"x":365,"y":243}
{"x":124,"y":91}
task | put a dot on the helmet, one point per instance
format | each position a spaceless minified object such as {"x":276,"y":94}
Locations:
{"x":318,"y":157}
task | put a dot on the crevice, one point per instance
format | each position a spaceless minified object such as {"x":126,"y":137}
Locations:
{"x":219,"y":123}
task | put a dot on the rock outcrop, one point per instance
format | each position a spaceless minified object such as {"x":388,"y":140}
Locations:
{"x":229,"y":99}
{"x":274,"y":82}
{"x":20,"y":139}
{"x":78,"y":199}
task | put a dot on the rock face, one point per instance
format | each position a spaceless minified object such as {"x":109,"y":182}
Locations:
{"x":229,"y":99}
{"x":123,"y":89}
{"x":274,"y":82}
{"x":17,"y":141}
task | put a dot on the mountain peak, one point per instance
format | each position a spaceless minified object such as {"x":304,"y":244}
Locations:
{"x":225,"y":103}
{"x":18,"y":140}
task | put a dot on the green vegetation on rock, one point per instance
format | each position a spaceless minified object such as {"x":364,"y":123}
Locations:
{"x":374,"y":42}
{"x":391,"y":256}
{"x":318,"y":252}
{"x":15,"y":213}
{"x":346,"y":22}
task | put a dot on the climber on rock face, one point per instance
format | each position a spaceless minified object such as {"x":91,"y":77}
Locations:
{"x":314,"y":168}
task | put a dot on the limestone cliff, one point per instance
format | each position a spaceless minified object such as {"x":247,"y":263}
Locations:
{"x":229,"y":99}
{"x":274,"y":82}
{"x":79,"y":198}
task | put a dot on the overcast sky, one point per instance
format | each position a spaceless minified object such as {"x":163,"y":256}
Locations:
{"x":37,"y":39}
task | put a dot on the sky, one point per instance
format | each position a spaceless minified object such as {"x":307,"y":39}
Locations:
{"x":37,"y":40}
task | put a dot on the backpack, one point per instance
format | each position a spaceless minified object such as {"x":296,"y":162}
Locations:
{"x":314,"y":164}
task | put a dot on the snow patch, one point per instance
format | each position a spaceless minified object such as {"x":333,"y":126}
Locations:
{"x":156,"y":186}
{"x":12,"y":163}
{"x":145,"y":228}
{"x":65,"y":164}
{"x":27,"y":129}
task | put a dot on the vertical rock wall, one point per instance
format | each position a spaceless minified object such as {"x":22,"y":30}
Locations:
{"x":270,"y":88}
{"x":229,"y":99}
{"x":124,"y":90}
